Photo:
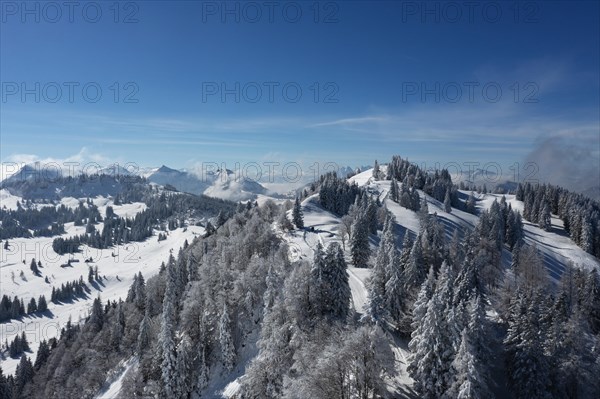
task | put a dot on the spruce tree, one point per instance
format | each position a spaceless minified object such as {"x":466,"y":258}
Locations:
{"x":527,"y":364}
{"x":226,"y":340}
{"x":468,"y":383}
{"x":317,"y":288}
{"x":591,"y":300}
{"x":414,"y":273}
{"x":471,"y":204}
{"x":167,"y":332}
{"x":143,"y":339}
{"x":335,"y":276}
{"x":544,"y":218}
{"x":42,"y":355}
{"x":184,"y":367}
{"x":376,"y":171}
{"x":203,"y":370}
{"x":34,"y":267}
{"x":5,"y":387}
{"x":431,"y":345}
{"x":32,"y":306}
{"x":23,"y":374}
{"x":140,"y":292}
{"x":380,"y":275}
{"x":448,"y":202}
{"x":360,"y":248}
{"x":394,"y":191}
{"x":395,"y":298}
{"x":284,"y":223}
{"x":42,"y":304}
{"x":297,"y":215}
{"x":97,"y":315}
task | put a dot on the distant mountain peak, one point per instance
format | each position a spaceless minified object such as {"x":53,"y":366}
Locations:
{"x":166,"y":169}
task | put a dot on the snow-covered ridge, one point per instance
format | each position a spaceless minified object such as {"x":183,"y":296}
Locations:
{"x":219,"y":183}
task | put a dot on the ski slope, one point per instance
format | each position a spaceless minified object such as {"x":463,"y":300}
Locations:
{"x":116,"y":266}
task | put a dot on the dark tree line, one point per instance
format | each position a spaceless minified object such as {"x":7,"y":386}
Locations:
{"x":45,"y":221}
{"x":437,"y":184}
{"x":70,"y":290}
{"x":335,"y":194}
{"x":39,"y":187}
{"x":15,"y":308}
{"x":18,"y":345}
{"x":120,"y":230}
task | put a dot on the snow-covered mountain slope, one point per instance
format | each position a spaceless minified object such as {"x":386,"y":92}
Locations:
{"x":39,"y":187}
{"x":7,"y":200}
{"x":182,"y":181}
{"x":227,"y":184}
{"x":116,"y":266}
{"x":322,"y":226}
{"x":555,"y":245}
{"x":48,"y":182}
{"x":224,"y":183}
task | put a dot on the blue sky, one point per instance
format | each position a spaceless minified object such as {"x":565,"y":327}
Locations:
{"x":375,"y":60}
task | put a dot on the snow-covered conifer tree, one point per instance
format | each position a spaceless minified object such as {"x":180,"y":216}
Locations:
{"x":297,"y":215}
{"x":226,"y":340}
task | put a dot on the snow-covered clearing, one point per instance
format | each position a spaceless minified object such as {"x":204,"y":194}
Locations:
{"x":116,"y":266}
